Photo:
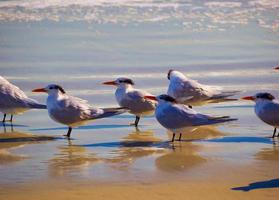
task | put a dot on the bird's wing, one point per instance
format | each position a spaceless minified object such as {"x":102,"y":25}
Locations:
{"x":75,"y":107}
{"x":179,"y":116}
{"x":11,"y":96}
{"x":269,"y":113}
{"x":137,"y":94}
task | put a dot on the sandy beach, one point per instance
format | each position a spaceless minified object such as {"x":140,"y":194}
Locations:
{"x":81,"y":44}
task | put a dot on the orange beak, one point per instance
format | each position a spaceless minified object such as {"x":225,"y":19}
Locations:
{"x":109,"y":83}
{"x":276,"y":68}
{"x":249,"y":98}
{"x":39,"y":90}
{"x":151,"y":98}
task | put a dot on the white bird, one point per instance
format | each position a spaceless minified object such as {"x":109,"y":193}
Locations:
{"x":14,"y":101}
{"x":266,"y":108}
{"x":179,"y":118}
{"x":73,"y":111}
{"x":188,"y":91}
{"x":133,"y":99}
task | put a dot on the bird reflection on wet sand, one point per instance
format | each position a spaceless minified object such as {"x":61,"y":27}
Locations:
{"x":14,"y":140}
{"x":70,"y":158}
{"x":136,"y":145}
{"x":185,"y":154}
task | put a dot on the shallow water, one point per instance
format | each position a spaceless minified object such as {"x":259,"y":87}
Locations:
{"x":80,"y":54}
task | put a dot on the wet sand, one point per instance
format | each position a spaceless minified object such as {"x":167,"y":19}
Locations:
{"x":80,"y":45}
{"x":228,"y":183}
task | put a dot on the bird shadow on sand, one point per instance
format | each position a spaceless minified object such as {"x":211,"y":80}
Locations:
{"x":273,"y":183}
{"x":129,"y":116}
{"x":101,"y":126}
{"x":157,"y":144}
{"x":20,"y":137}
{"x":235,"y":106}
{"x":12,"y":125}
{"x":243,"y":139}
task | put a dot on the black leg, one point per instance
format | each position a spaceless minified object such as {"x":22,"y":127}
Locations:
{"x":4,"y":118}
{"x":173,"y":136}
{"x":4,"y":125}
{"x":274,"y":132}
{"x":69,"y":132}
{"x":180,"y":137}
{"x":11,"y":119}
{"x":137,"y":121}
{"x":12,"y":127}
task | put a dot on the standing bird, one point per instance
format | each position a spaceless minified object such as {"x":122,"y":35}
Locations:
{"x":179,"y":118}
{"x":266,"y":108}
{"x":133,"y":99}
{"x":14,"y":101}
{"x":188,"y":91}
{"x":72,"y":111}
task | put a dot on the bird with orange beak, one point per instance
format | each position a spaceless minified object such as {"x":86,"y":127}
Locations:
{"x":73,"y":111}
{"x":179,"y":118}
{"x":133,"y":99}
{"x":266,"y":108}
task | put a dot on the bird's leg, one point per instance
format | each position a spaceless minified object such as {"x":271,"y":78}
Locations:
{"x":136,"y":122}
{"x":69,"y":132}
{"x":274,"y":132}
{"x":4,"y":125}
{"x":12,"y":127}
{"x":11,"y":119}
{"x":173,"y":136}
{"x":180,"y":137}
{"x":4,"y":118}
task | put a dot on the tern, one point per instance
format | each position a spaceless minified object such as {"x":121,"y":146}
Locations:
{"x":179,"y":118}
{"x":266,"y":108}
{"x":133,"y":99}
{"x":73,"y":111}
{"x":14,"y":101}
{"x":188,"y":91}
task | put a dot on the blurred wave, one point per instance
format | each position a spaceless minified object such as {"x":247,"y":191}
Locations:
{"x":197,"y":15}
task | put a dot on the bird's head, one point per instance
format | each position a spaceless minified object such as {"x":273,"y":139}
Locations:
{"x":163,"y":98}
{"x":121,"y":82}
{"x":260,"y":96}
{"x":51,"y":89}
{"x":173,"y":74}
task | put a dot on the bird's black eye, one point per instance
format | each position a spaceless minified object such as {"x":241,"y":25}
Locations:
{"x":51,"y":88}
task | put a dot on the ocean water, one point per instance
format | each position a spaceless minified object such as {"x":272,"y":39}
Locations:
{"x":80,"y":44}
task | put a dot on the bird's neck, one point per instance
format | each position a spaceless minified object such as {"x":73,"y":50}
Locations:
{"x":55,"y":96}
{"x":125,"y":87}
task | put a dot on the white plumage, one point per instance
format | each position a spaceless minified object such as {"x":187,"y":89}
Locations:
{"x":266,"y":108}
{"x":14,"y":101}
{"x":179,"y":118}
{"x":72,"y":111}
{"x":133,"y":99}
{"x":188,"y":91}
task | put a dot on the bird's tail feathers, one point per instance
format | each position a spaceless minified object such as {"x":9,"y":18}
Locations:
{"x":225,"y":94}
{"x":34,"y":104}
{"x":109,"y":112}
{"x":221,"y":119}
